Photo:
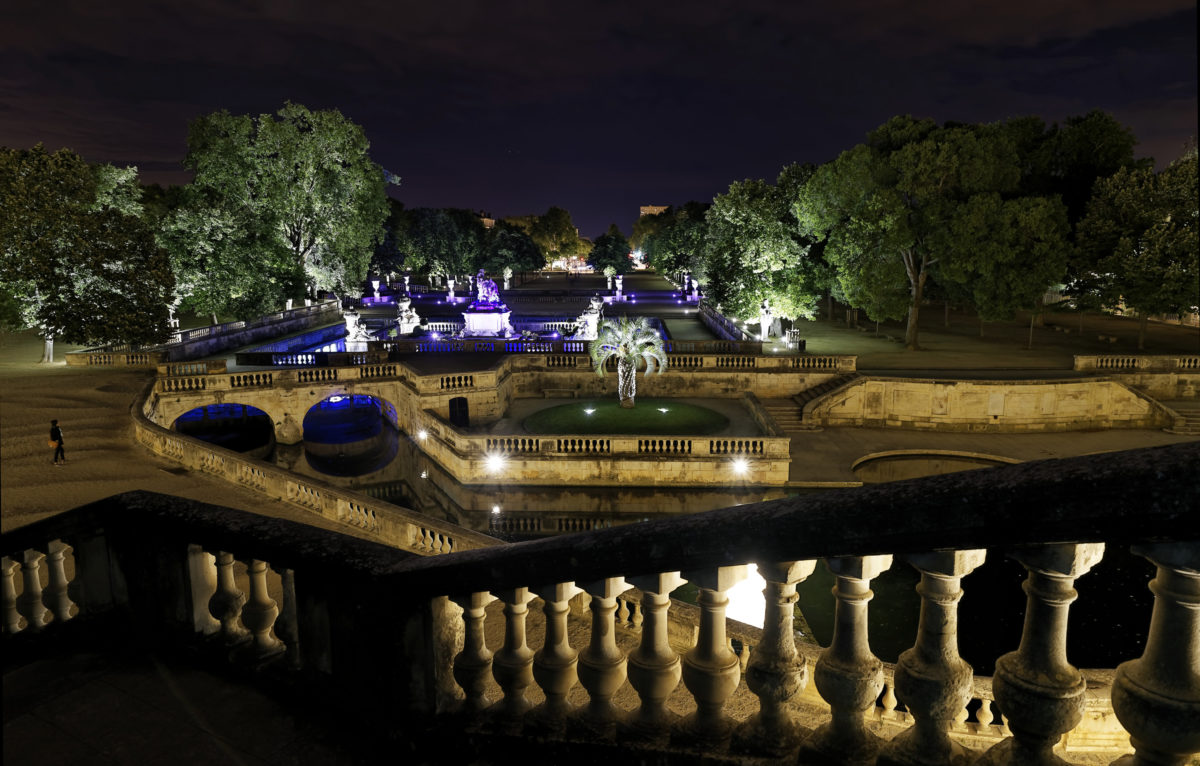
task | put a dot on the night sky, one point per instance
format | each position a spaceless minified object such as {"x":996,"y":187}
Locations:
{"x":596,"y":107}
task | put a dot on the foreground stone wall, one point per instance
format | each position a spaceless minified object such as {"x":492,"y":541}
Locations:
{"x":999,"y":406}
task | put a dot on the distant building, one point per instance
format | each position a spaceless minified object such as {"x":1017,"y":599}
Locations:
{"x":653,"y":209}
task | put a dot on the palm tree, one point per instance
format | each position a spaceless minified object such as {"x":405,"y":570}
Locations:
{"x":630,"y":341}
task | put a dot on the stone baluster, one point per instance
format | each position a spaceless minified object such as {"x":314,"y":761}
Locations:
{"x":602,"y":663}
{"x":710,"y":670}
{"x":984,"y":715}
{"x":654,"y":668}
{"x":202,"y":577}
{"x":932,"y":680}
{"x":848,"y":676}
{"x":287,"y":626}
{"x":775,"y":672}
{"x":226,"y":603}
{"x":473,"y":665}
{"x":12,"y":618}
{"x":259,"y":613}
{"x":57,"y":586}
{"x":1039,"y":691}
{"x":512,"y":666}
{"x":554,"y":665}
{"x":1157,"y":697}
{"x":29,"y":603}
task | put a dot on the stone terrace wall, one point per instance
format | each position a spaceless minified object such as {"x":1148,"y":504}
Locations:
{"x":998,"y":406}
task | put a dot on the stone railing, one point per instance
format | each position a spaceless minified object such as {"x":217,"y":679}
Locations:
{"x":721,"y":324}
{"x":405,"y":635}
{"x":1138,"y":363}
{"x":388,"y":523}
{"x":204,"y":341}
{"x":181,"y":369}
{"x":309,"y":358}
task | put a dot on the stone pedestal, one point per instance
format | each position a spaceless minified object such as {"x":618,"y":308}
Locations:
{"x":491,"y":323}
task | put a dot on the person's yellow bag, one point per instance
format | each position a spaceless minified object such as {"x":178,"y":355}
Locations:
{"x":53,"y":443}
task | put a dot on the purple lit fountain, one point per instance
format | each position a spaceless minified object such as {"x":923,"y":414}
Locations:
{"x":487,"y":316}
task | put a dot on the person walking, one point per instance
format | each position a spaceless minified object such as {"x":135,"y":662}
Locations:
{"x":56,"y":438}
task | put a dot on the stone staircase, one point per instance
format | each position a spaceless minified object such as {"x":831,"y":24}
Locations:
{"x":1188,"y":422}
{"x":789,"y":413}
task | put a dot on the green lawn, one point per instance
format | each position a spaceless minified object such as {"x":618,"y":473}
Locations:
{"x":646,"y":418}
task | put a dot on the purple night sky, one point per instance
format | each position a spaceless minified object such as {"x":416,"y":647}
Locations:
{"x":595,"y":107}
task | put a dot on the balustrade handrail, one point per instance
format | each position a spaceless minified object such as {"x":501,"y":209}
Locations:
{"x":1082,"y":499}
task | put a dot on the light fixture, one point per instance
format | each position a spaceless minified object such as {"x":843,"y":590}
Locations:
{"x":335,"y":399}
{"x":588,"y":412}
{"x":663,"y":410}
{"x":495,"y":462}
{"x":741,"y":466}
{"x":424,"y":474}
{"x":495,"y":509}
{"x":422,"y":434}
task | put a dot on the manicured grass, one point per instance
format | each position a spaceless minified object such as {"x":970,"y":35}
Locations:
{"x":608,"y":417}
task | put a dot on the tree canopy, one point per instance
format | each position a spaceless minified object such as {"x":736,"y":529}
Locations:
{"x":75,"y":256}
{"x":556,"y":235}
{"x":916,"y":200}
{"x":1140,"y":235}
{"x":294,"y":197}
{"x":611,"y":249}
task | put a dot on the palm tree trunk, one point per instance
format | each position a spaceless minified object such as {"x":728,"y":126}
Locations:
{"x":626,"y":383}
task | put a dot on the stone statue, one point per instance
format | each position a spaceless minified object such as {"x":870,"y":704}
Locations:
{"x":485,"y":290}
{"x":587,"y":326}
{"x":355,"y":331}
{"x":407,"y":319}
{"x":764,"y":320}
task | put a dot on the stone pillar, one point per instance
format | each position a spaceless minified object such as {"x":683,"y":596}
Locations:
{"x":56,"y":590}
{"x":473,"y":664}
{"x":259,"y":613}
{"x":554,"y":665}
{"x":775,"y":672}
{"x":711,"y":671}
{"x":226,"y":603}
{"x":602,"y":663}
{"x":620,"y":280}
{"x":848,"y":676}
{"x":932,"y":680}
{"x":12,"y":617}
{"x":1039,"y":692}
{"x":654,"y":669}
{"x":29,"y":603}
{"x":512,"y":665}
{"x":1157,"y":697}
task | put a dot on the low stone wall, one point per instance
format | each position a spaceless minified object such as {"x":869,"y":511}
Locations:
{"x":995,"y":406}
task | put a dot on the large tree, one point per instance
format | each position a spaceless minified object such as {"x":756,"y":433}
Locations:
{"x":1140,"y":232}
{"x":556,"y":235}
{"x":610,"y":249}
{"x":298,"y":188}
{"x":916,"y":200}
{"x":753,"y":251}
{"x":508,"y":247}
{"x":76,"y":258}
{"x":675,"y":239}
{"x":438,"y":242}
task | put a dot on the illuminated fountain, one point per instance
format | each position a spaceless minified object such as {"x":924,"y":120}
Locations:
{"x":488,"y":316}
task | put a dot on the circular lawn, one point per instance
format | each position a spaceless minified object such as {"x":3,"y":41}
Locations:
{"x":650,"y":417}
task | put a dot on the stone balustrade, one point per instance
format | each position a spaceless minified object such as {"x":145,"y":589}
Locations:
{"x":346,"y":603}
{"x":1138,"y":363}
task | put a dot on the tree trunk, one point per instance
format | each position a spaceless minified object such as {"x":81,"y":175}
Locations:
{"x":946,"y":322}
{"x":626,"y":383}
{"x":1143,"y":323}
{"x":47,"y":349}
{"x":914,"y":315}
{"x":829,"y":306}
{"x":1031,"y":318}
{"x":1081,"y":323}
{"x":981,"y":325}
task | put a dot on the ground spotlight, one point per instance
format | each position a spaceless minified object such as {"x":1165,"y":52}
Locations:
{"x":588,"y":412}
{"x":495,"y":462}
{"x":422,"y":434}
{"x":741,"y":466}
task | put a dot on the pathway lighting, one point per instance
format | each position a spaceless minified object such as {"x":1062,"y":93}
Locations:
{"x":741,"y":466}
{"x":424,"y":474}
{"x":588,"y":412}
{"x":663,"y":410}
